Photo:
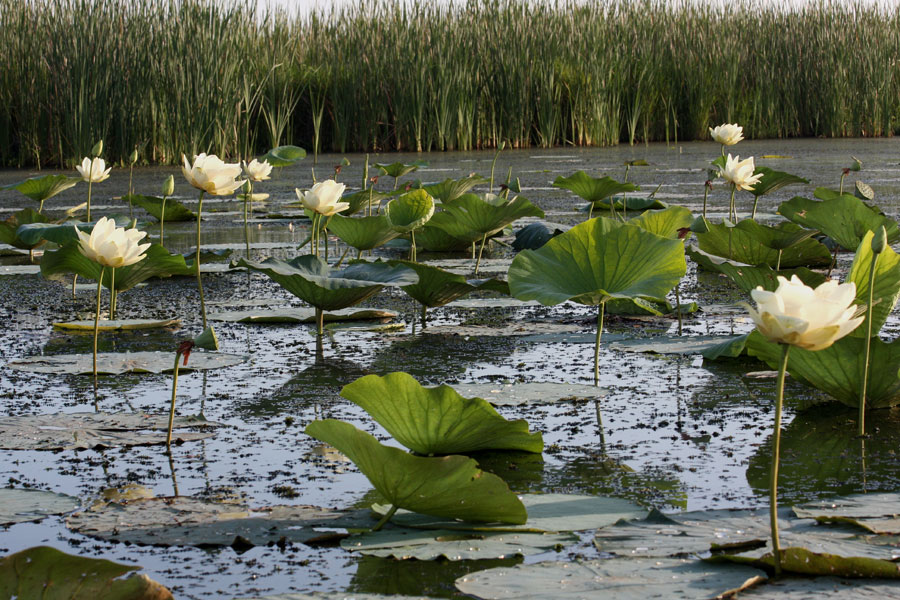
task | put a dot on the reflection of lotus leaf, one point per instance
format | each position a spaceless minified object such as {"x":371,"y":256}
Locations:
{"x":71,"y":431}
{"x":437,"y":420}
{"x":311,"y":279}
{"x":45,"y":572}
{"x":622,"y":579}
{"x":114,"y":363}
{"x":18,"y":506}
{"x":450,"y":487}
{"x":186,"y":521}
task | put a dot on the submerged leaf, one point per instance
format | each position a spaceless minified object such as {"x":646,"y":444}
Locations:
{"x":437,"y":420}
{"x":450,"y":486}
{"x":45,"y":572}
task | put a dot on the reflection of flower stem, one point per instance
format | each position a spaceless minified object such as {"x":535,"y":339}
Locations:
{"x":197,"y":262}
{"x":776,"y":448}
{"x":480,"y":251}
{"x":865,"y":377}
{"x":172,"y":405}
{"x":247,"y":199}
{"x":597,"y":343}
{"x":172,"y":471}
{"x":97,"y":320}
{"x":385,"y":518}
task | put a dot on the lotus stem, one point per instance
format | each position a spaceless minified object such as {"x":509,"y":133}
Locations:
{"x":732,"y":213}
{"x":494,"y":164}
{"x":412,"y":248}
{"x":41,"y":206}
{"x":776,"y":449}
{"x":778,"y":261}
{"x":112,"y":294}
{"x":97,"y":320}
{"x":74,"y":283}
{"x":343,"y":256}
{"x":365,"y":174}
{"x":841,"y":191}
{"x":325,"y":236}
{"x":723,"y":149}
{"x":320,"y":322}
{"x":755,"y":203}
{"x":247,"y":199}
{"x":705,"y":196}
{"x":197,"y":262}
{"x":315,"y":233}
{"x":162,"y":222}
{"x":172,"y":404}
{"x":597,"y":344}
{"x":480,"y":251}
{"x":865,"y":377}
{"x":678,"y":308}
{"x":385,"y":518}
{"x":369,"y":203}
{"x":89,"y":201}
{"x":130,"y":192}
{"x":591,"y":212}
{"x":424,"y":316}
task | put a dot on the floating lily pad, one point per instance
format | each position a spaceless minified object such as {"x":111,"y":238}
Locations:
{"x":509,"y":329}
{"x":337,"y":596}
{"x":437,"y":420}
{"x":406,"y":544}
{"x":546,"y":513}
{"x":801,"y":561}
{"x":450,"y":487}
{"x":76,"y":431}
{"x":114,"y":363}
{"x":875,"y":513}
{"x":823,"y":588}
{"x":119,"y":324}
{"x":479,"y":303}
{"x":45,"y":572}
{"x":19,"y":506}
{"x":671,"y":345}
{"x":625,"y":579}
{"x":313,"y":280}
{"x":360,"y":326}
{"x":175,"y":210}
{"x":517,"y":394}
{"x":300,"y":315}
{"x":186,"y":521}
{"x":754,"y":244}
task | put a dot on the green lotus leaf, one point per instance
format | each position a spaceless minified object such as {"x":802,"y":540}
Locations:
{"x":69,"y":260}
{"x":595,"y":261}
{"x":593,"y":189}
{"x":444,"y":232}
{"x":437,"y":287}
{"x":44,"y":187}
{"x":450,"y":486}
{"x":437,"y":420}
{"x":685,"y":345}
{"x":821,"y":450}
{"x":749,"y":278}
{"x":842,"y":217}
{"x":409,"y":211}
{"x":887,"y":284}
{"x":838,"y":369}
{"x":175,"y":210}
{"x":534,"y":235}
{"x":773,"y":180}
{"x":358,"y":199}
{"x":283,"y":156}
{"x":485,"y":215}
{"x":362,"y":233}
{"x":312,"y":280}
{"x":10,"y":227}
{"x":667,"y":222}
{"x":801,"y":561}
{"x":45,"y":572}
{"x":874,"y":513}
{"x":647,"y":306}
{"x":754,"y":244}
{"x":398,"y":169}
{"x":60,"y":233}
{"x":450,"y":189}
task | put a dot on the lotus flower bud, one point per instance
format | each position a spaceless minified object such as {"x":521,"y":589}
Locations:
{"x":133,"y":157}
{"x":97,"y":150}
{"x":168,"y":187}
{"x":879,"y":240}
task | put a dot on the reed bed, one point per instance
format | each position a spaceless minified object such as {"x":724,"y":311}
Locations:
{"x":193,"y":75}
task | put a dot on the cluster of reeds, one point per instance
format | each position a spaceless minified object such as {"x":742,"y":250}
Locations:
{"x":195,"y":75}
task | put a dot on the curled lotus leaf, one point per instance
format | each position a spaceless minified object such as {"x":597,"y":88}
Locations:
{"x":175,"y":211}
{"x":437,"y":287}
{"x":667,"y":223}
{"x":314,"y":281}
{"x":10,"y":227}
{"x":450,"y":189}
{"x":593,"y":189}
{"x":449,"y":486}
{"x":409,"y":211}
{"x":484,"y":215}
{"x":69,"y":259}
{"x":886,"y":289}
{"x":284,"y":156}
{"x":437,"y":420}
{"x":363,"y":233}
{"x":43,"y":187}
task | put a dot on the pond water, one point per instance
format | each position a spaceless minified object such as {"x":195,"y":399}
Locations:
{"x":672,"y":432}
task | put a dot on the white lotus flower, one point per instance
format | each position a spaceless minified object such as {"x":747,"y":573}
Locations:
{"x":812,"y":319}
{"x":257,"y":171}
{"x":93,"y":171}
{"x":210,"y":174}
{"x":740,"y":172}
{"x":324,"y":197}
{"x":728,"y":134}
{"x":112,"y":246}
